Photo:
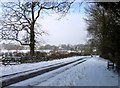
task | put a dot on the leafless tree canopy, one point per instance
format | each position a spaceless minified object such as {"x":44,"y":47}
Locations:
{"x":19,"y":18}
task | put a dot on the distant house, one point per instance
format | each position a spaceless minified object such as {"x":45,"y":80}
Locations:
{"x":62,"y":51}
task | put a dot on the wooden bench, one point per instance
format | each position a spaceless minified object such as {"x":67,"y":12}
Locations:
{"x":11,"y":60}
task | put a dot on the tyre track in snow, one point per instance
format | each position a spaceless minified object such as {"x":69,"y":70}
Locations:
{"x":13,"y":74}
{"x":56,"y":73}
{"x":23,"y":76}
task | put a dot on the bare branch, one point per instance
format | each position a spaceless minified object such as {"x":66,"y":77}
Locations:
{"x":38,"y":14}
{"x":21,"y":17}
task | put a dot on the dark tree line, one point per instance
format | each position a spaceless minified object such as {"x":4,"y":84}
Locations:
{"x":104,"y":27}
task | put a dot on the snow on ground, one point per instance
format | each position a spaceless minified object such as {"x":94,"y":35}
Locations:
{"x":10,"y":69}
{"x":92,"y":72}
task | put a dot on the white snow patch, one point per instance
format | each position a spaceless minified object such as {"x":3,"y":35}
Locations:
{"x":92,"y":72}
{"x":10,"y":69}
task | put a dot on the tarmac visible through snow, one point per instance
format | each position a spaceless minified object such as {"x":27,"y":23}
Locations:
{"x":79,"y":71}
{"x":17,"y":77}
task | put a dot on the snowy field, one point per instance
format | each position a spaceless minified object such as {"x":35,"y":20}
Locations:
{"x":92,"y":72}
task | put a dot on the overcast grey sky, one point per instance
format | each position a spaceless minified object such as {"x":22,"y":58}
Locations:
{"x":70,"y":29}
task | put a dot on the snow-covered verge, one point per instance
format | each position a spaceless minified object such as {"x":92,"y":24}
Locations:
{"x":92,"y":72}
{"x":10,"y":69}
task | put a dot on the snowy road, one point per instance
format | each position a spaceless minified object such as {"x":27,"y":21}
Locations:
{"x":92,"y":72}
{"x":17,"y":77}
{"x":13,"y":69}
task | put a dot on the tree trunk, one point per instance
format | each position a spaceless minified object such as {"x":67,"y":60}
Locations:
{"x":32,"y":33}
{"x":32,"y":41}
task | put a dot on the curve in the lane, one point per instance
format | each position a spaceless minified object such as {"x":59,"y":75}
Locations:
{"x":13,"y":74}
{"x":43,"y":80}
{"x":33,"y":74}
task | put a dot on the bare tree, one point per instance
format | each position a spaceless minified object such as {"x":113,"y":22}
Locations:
{"x":20,"y":18}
